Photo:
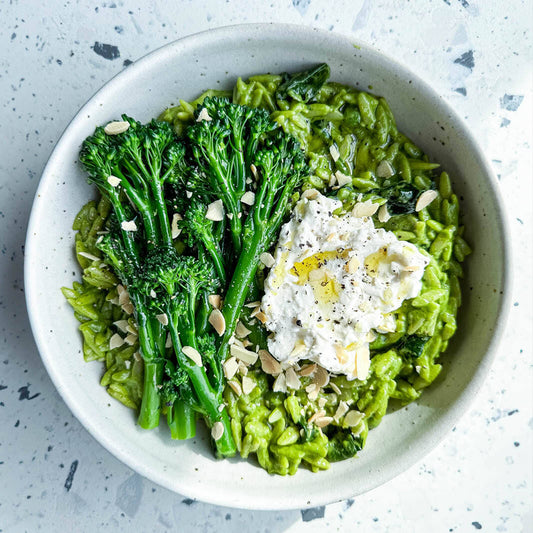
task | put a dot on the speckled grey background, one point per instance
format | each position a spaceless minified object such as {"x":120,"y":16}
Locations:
{"x":53,"y":56}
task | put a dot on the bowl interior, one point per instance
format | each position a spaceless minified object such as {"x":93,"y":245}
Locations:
{"x":214,"y":60}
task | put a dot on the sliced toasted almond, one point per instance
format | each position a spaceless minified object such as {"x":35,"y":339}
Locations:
{"x":215,"y":211}
{"x":193,"y":354}
{"x":203,"y":115}
{"x":162,"y":318}
{"x":128,"y":225}
{"x":217,"y":320}
{"x":218,"y":428}
{"x":89,"y":256}
{"x":342,"y":409}
{"x":113,"y":181}
{"x":230,"y":366}
{"x":362,"y":362}
{"x":335,"y":388}
{"x":269,"y":364}
{"x":310,"y":194}
{"x":315,"y":415}
{"x":127,"y":308}
{"x":131,"y":339}
{"x":243,"y":369}
{"x":292,"y":380}
{"x":312,"y":391}
{"x":248,"y":385}
{"x":334,"y":152}
{"x":116,"y":127}
{"x":253,"y":168}
{"x":123,"y":295}
{"x":425,"y":199}
{"x":280,"y":384}
{"x":342,"y":179}
{"x":383,"y":214}
{"x":352,"y":418}
{"x":122,"y":325}
{"x":323,"y":421}
{"x":384,"y":170}
{"x":168,"y":342}
{"x":252,"y":305}
{"x":267,"y":259}
{"x":364,"y":209}
{"x":322,"y":402}
{"x":332,"y":180}
{"x":115,"y":341}
{"x":307,"y":370}
{"x":235,"y":387}
{"x":244,"y":355}
{"x":241,"y":330}
{"x":352,"y":265}
{"x":248,"y":198}
{"x":215,"y":300}
{"x":174,"y":228}
{"x":321,"y":377}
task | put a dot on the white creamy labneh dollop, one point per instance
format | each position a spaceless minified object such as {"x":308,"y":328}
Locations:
{"x":334,"y":283}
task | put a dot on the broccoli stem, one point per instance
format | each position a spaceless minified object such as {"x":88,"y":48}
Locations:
{"x":181,"y":420}
{"x":209,"y":399}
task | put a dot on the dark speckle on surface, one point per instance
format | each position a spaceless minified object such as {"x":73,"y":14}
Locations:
{"x":188,"y":501}
{"x":461,"y":90}
{"x":2,"y":387}
{"x":107,"y":51}
{"x":511,"y":102}
{"x":127,"y":62}
{"x":70,"y":477}
{"x":313,"y":513}
{"x":477,"y":525}
{"x":466,"y":60}
{"x":301,"y":5}
{"x":505,"y":122}
{"x":24,"y":393}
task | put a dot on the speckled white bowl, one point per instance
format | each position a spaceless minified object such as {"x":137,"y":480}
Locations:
{"x":215,"y":59}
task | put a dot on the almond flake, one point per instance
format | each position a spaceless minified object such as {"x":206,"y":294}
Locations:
{"x":323,"y":421}
{"x":321,"y":377}
{"x":316,"y":415}
{"x":128,"y":308}
{"x":113,"y":181}
{"x":215,"y":211}
{"x":131,"y":339}
{"x":115,"y":341}
{"x":364,"y":209}
{"x":253,"y":304}
{"x":217,"y":320}
{"x":87,"y":255}
{"x":162,"y":318}
{"x":231,"y":366}
{"x":215,"y":300}
{"x":153,"y":294}
{"x":312,"y":391}
{"x":235,"y":386}
{"x":218,"y":428}
{"x":122,"y":325}
{"x":307,"y":370}
{"x":269,"y":364}
{"x":246,"y":356}
{"x":261,"y":317}
{"x":168,"y":342}
{"x":383,"y":214}
{"x":243,"y":369}
{"x":280,"y":384}
{"x":342,"y":179}
{"x":248,"y":198}
{"x":335,"y":154}
{"x":116,"y":127}
{"x":321,"y":402}
{"x":248,"y":385}
{"x":203,"y":115}
{"x":310,"y":194}
{"x":298,"y":349}
{"x":362,"y":362}
{"x":253,"y":168}
{"x":267,"y":259}
{"x":353,"y":418}
{"x":384,"y":170}
{"x":335,"y":388}
{"x":193,"y":354}
{"x":174,"y":228}
{"x":241,"y":330}
{"x":292,"y":380}
{"x":129,"y":225}
{"x":342,"y":409}
{"x":425,"y":199}
{"x":332,"y":180}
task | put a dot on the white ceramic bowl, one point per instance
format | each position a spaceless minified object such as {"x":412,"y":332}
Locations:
{"x":214,"y":59}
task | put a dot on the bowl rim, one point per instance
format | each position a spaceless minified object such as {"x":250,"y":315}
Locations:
{"x":452,"y":415}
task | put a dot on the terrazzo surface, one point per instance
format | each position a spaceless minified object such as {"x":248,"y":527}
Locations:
{"x":53,"y":57}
